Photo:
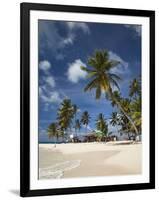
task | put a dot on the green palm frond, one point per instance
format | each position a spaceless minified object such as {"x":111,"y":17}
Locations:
{"x":91,"y":74}
{"x":91,"y":85}
{"x":86,"y":69}
{"x":111,"y":64}
{"x":114,"y":83}
{"x":101,"y":78}
{"x":114,"y":76}
{"x":101,"y":125}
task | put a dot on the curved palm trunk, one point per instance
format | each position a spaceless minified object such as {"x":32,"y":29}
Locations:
{"x":128,"y":117}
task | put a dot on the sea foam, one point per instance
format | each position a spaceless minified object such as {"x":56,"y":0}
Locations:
{"x":57,"y":170}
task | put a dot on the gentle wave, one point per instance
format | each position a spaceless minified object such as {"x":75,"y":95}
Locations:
{"x":57,"y":170}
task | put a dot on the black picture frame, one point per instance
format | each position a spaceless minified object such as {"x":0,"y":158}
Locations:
{"x":25,"y":9}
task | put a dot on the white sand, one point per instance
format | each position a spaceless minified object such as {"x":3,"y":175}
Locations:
{"x":89,"y":159}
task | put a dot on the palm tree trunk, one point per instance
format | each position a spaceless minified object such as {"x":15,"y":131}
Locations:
{"x":128,"y":117}
{"x":75,"y":125}
{"x":55,"y":144}
{"x":117,"y":131}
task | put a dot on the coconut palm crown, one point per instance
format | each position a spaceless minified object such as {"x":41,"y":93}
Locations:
{"x":101,"y":124}
{"x":135,"y":88}
{"x":85,"y":119}
{"x":102,"y":78}
{"x":65,"y":114}
{"x":53,"y":131}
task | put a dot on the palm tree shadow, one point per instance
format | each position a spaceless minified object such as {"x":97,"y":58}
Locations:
{"x":15,"y":192}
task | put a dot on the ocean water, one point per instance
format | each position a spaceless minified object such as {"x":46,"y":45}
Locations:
{"x":57,"y":170}
{"x":51,"y":142}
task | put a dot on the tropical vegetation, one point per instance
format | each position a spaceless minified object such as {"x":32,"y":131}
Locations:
{"x":101,"y":76}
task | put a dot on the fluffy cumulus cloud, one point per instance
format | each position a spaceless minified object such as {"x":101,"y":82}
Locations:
{"x":50,"y":97}
{"x":136,"y":28}
{"x":78,"y":25}
{"x":47,"y":90}
{"x":44,"y":65}
{"x":74,"y":72}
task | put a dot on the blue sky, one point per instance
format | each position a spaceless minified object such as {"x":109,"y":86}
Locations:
{"x":64,"y":47}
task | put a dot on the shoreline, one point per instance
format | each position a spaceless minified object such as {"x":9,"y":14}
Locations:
{"x":89,"y":159}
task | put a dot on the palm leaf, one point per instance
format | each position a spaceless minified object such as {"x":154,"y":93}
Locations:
{"x":114,"y":76}
{"x":114,"y":83}
{"x":91,"y":74}
{"x":91,"y":85}
{"x":111,"y":64}
{"x":85,"y":69}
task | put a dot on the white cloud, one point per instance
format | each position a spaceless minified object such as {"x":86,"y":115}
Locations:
{"x":136,"y":28}
{"x":74,"y":72}
{"x":50,"y":81}
{"x":44,"y":65}
{"x":121,"y":68}
{"x":40,"y":91}
{"x":49,"y":97}
{"x":54,"y":97}
{"x":47,"y":92}
{"x":78,"y":25}
{"x":68,"y":40}
{"x":51,"y":39}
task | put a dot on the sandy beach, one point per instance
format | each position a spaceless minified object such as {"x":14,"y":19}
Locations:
{"x":89,"y":159}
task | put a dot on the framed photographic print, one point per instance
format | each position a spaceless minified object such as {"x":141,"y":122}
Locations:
{"x":87,"y":99}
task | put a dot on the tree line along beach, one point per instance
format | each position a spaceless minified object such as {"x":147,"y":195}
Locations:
{"x":99,"y":151}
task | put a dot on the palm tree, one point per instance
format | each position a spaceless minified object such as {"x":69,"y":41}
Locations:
{"x":101,"y":125}
{"x":102,"y":78}
{"x":53,"y":131}
{"x":125,"y":125}
{"x":115,"y":120}
{"x":65,"y":115}
{"x":85,"y":119}
{"x":125,"y":103}
{"x":135,"y":105}
{"x":135,"y":88}
{"x":77,"y":125}
{"x":136,"y":112}
{"x":75,"y":109}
